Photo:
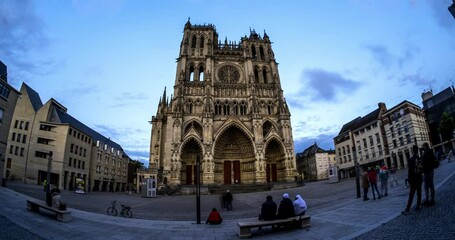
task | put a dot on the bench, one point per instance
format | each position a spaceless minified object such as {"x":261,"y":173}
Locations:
{"x":35,"y":205}
{"x":245,"y":226}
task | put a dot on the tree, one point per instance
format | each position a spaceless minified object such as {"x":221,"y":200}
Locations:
{"x":133,"y":166}
{"x":446,"y":126}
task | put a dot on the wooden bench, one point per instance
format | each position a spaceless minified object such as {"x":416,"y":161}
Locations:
{"x":35,"y":205}
{"x":245,"y":226}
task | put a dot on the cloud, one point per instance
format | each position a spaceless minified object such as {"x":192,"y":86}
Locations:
{"x":109,"y":132}
{"x":382,"y":55}
{"x":127,"y":96}
{"x":442,"y":15}
{"x":137,"y":148}
{"x":417,"y":79}
{"x":324,"y":141}
{"x":21,"y":32}
{"x":327,"y":85}
{"x":388,"y":60}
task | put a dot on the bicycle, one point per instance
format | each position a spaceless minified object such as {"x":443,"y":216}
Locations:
{"x":126,"y":211}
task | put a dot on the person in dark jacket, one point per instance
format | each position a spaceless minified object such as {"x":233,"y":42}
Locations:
{"x":227,"y":200}
{"x":286,"y":208}
{"x":214,"y":217}
{"x":428,"y":160}
{"x":415,"y":181}
{"x":268,"y":209}
{"x":365,"y":184}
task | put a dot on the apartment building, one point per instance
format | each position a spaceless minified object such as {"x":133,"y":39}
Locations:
{"x":8,"y":98}
{"x":434,"y":106}
{"x":361,"y":140}
{"x":313,"y":163}
{"x":404,"y":126}
{"x":344,"y":155}
{"x":79,"y":157}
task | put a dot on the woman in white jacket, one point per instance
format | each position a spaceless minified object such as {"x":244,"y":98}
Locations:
{"x":300,"y":206}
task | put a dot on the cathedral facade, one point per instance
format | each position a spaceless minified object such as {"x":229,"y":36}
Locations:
{"x":227,"y":118}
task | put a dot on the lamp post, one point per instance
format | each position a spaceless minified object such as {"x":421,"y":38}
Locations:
{"x":48,"y":179}
{"x":198,"y":189}
{"x":357,"y":174}
{"x":452,"y":9}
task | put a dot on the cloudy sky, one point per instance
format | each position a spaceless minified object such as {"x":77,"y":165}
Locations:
{"x":108,"y":61}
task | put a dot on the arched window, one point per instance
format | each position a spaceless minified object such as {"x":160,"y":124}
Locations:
{"x":256,"y":75}
{"x":201,"y":43}
{"x":261,"y":53}
{"x":264,"y":75}
{"x":242,"y":108}
{"x":217,"y":107}
{"x":201,"y":73}
{"x":191,"y":76}
{"x":190,"y":107}
{"x":236,"y":108}
{"x":253,"y":52}
{"x":193,"y":42}
{"x":270,"y":108}
{"x":226,"y":110}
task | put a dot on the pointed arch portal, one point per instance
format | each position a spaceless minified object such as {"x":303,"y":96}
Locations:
{"x":234,"y":157}
{"x":189,"y":153}
{"x":274,"y":155}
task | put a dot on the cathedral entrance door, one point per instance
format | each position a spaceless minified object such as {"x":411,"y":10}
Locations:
{"x":236,"y":171}
{"x":227,"y":172}
{"x":274,"y":175}
{"x":270,"y":172}
{"x":189,"y":175}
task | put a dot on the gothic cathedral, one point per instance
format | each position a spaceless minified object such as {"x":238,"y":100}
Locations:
{"x":227,"y":114}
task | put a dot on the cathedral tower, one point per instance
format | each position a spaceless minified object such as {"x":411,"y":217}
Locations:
{"x":227,"y":112}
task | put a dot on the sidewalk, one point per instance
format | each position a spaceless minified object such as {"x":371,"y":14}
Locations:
{"x":333,"y":217}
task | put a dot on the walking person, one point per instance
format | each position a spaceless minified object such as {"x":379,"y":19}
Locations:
{"x":415,"y":170}
{"x":428,"y":161}
{"x":227,"y":200}
{"x":373,"y":178}
{"x":393,"y":178}
{"x":384,"y":178}
{"x":365,"y":184}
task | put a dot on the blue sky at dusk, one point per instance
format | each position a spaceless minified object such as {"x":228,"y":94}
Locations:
{"x":108,"y":61}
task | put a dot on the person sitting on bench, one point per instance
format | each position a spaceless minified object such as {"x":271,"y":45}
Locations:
{"x":300,"y":206}
{"x":286,"y":208}
{"x":268,"y":210}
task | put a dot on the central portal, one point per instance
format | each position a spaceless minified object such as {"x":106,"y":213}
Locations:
{"x":232,"y":168}
{"x":234,"y":157}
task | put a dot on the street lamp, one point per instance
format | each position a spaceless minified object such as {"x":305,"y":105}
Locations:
{"x":357,"y":171}
{"x":198,"y":188}
{"x":48,"y":179}
{"x":452,"y":9}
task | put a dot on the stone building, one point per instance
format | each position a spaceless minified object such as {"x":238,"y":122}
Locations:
{"x":80,"y":157}
{"x":404,"y":126}
{"x":363,"y":140}
{"x":314,"y":162}
{"x":434,"y":107}
{"x":227,"y":114}
{"x":8,"y":98}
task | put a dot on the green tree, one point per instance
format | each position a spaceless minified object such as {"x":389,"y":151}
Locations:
{"x":446,"y":126}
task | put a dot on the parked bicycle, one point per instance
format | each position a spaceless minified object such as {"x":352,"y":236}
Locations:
{"x":125,"y":212}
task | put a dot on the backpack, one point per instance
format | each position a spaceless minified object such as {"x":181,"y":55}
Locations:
{"x":418,"y":166}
